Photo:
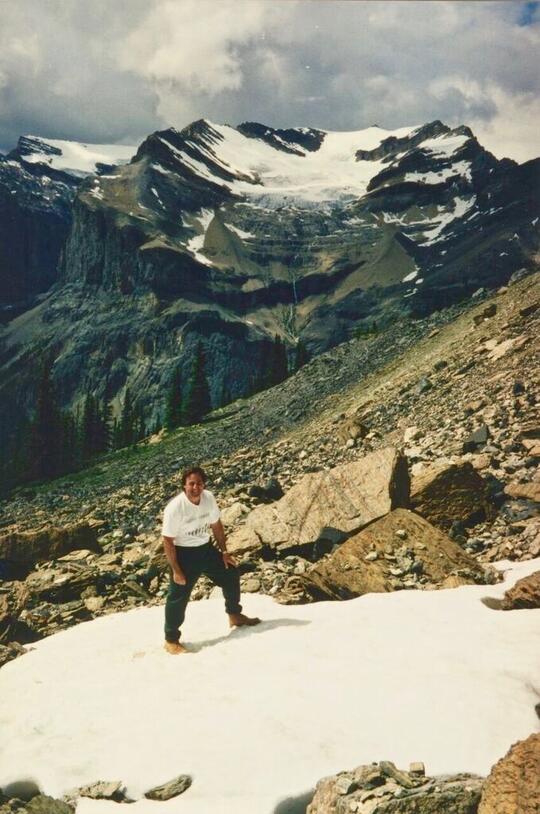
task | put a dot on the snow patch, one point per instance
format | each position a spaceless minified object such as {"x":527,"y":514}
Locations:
{"x":269,"y":175}
{"x":80,"y":159}
{"x":196,"y":243}
{"x":410,"y":276}
{"x":461,"y":168}
{"x":461,"y":207}
{"x":261,"y":714}
{"x":240,"y":232}
{"x":444,"y":145}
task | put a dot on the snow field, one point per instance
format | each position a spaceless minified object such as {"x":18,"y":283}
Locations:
{"x":81,"y":159}
{"x":329,"y":173}
{"x":260,"y":714}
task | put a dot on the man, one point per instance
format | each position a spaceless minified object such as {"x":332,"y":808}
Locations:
{"x":187,"y":521}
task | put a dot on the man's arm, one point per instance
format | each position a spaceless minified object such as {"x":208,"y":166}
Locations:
{"x":221,"y":539}
{"x":170,"y":552}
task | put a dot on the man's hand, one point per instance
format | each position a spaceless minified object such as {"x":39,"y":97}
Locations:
{"x":228,"y":559}
{"x":179,"y":577}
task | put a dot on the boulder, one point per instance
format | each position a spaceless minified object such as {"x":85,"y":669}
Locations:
{"x":477,"y":439}
{"x":104,"y":790}
{"x":524,"y":594}
{"x":524,"y":491}
{"x":10,"y":651}
{"x":396,"y":551}
{"x":57,"y":585}
{"x":445,"y":493}
{"x":328,"y":505}
{"x":13,"y":599}
{"x":350,"y":428}
{"x":513,"y":786}
{"x":266,"y":492}
{"x":381,"y":788}
{"x":47,"y":805}
{"x":232,"y":514}
{"x":26,"y":548}
{"x":171,"y":789}
{"x":157,"y":561}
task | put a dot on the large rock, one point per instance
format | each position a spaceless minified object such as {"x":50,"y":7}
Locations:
{"x":328,"y":505}
{"x":59,"y":585}
{"x":445,"y":493}
{"x":401,"y":550}
{"x":513,"y":786}
{"x":524,"y":594}
{"x":23,"y":549}
{"x":383,"y":789}
{"x":48,"y":805}
{"x":13,"y":598}
{"x":171,"y":789}
{"x":525,"y":491}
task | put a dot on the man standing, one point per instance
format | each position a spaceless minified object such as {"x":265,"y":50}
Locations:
{"x":187,"y":521}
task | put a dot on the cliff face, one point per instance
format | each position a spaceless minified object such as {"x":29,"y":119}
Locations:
{"x":231,"y":236}
{"x":35,"y":215}
{"x":38,"y":182}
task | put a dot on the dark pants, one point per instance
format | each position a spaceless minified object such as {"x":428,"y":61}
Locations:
{"x":204,"y":559}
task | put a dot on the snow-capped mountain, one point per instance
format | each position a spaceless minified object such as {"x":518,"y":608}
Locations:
{"x":38,"y":180}
{"x":313,"y":210}
{"x":234,"y":235}
{"x":71,"y":157}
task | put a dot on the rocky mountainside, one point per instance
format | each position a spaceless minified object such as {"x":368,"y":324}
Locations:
{"x":457,"y":393}
{"x":232,"y":236}
{"x":38,"y":181}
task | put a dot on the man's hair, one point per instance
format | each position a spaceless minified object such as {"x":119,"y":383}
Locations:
{"x":193,"y":470}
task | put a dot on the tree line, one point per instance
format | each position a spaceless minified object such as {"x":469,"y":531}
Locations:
{"x":55,"y":441}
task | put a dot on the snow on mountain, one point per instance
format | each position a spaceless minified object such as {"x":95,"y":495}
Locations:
{"x":261,"y":714}
{"x":305,"y":176}
{"x":72,"y":157}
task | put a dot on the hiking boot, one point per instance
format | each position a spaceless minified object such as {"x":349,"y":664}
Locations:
{"x":240,"y":620}
{"x":175,"y":648}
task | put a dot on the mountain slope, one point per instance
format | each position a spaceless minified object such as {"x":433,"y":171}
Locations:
{"x":233,"y":236}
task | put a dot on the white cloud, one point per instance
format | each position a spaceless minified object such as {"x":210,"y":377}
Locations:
{"x":512,"y":132}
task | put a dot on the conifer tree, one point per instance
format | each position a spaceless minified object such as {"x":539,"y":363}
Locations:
{"x":301,"y":356}
{"x":69,"y":443}
{"x":173,"y":406}
{"x":126,"y":422}
{"x":277,"y":368}
{"x":46,"y":431}
{"x":105,"y":426}
{"x":197,"y":402}
{"x":139,"y":426}
{"x":89,"y":427}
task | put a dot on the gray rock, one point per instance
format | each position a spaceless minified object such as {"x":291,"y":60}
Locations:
{"x":171,"y":789}
{"x":48,"y":805}
{"x":476,"y":439}
{"x":104,"y":790}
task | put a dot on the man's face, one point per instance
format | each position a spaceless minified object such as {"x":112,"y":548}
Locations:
{"x":193,"y":488}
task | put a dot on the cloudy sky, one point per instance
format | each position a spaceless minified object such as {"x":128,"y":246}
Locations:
{"x":114,"y":72}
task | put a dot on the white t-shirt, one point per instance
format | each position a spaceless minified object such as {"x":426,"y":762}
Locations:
{"x":189,"y":523}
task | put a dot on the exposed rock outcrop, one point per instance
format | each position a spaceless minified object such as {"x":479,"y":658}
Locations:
{"x":327,"y":506}
{"x":524,"y":594}
{"x":401,"y":550}
{"x":513,"y":786}
{"x":21,"y":550}
{"x":13,"y":598}
{"x":446,"y":493}
{"x":171,"y":789}
{"x":380,"y":788}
